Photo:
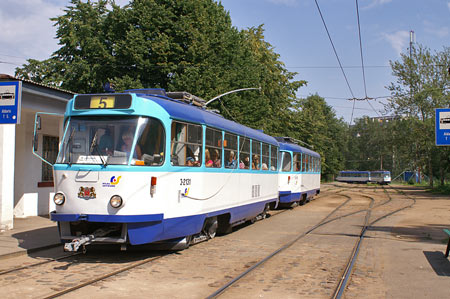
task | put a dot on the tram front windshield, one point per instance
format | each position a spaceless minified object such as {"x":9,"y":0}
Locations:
{"x":112,"y":141}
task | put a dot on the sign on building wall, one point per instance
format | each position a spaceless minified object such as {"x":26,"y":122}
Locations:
{"x":10,"y":102}
{"x":443,"y":126}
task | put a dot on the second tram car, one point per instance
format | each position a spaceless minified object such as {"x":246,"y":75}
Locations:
{"x":299,"y":175}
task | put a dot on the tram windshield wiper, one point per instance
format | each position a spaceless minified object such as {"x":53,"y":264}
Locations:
{"x":93,"y":146}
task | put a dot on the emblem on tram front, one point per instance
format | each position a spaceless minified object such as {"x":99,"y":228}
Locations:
{"x":87,"y":193}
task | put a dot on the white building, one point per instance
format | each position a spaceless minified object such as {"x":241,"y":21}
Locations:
{"x":26,"y":183}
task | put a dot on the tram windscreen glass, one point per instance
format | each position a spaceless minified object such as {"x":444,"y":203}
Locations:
{"x":113,"y":140}
{"x":106,"y":101}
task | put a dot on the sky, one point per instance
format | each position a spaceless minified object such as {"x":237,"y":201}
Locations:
{"x":295,"y":30}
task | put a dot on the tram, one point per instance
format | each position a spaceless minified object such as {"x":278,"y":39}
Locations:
{"x":147,"y":166}
{"x":352,"y":176}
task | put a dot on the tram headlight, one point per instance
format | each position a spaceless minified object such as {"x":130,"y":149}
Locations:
{"x":116,"y":201}
{"x":59,"y":199}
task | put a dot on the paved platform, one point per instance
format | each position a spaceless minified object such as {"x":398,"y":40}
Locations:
{"x":28,"y":235}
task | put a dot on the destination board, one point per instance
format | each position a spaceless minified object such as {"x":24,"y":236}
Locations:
{"x":100,"y":101}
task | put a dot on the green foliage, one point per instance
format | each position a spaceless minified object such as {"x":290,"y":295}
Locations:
{"x":191,"y":46}
{"x":315,"y":123}
{"x":186,"y":45}
{"x":407,"y":141}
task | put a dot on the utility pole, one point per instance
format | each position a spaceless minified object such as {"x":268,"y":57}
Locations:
{"x":411,"y":41}
{"x":411,"y":94}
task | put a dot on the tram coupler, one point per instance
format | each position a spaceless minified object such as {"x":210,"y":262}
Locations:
{"x":78,"y":242}
{"x":86,"y":240}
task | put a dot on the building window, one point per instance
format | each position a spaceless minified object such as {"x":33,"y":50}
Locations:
{"x":49,"y":152}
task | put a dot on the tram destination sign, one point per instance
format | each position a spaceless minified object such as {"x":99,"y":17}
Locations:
{"x":102,"y":101}
{"x":10,"y":102}
{"x":443,"y":127}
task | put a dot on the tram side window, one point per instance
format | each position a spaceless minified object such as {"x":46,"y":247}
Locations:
{"x":297,"y":162}
{"x":273,"y":158}
{"x":244,"y":153}
{"x":213,"y":151}
{"x":256,"y":154}
{"x":265,"y":156}
{"x":186,"y":144}
{"x":151,"y":141}
{"x":286,"y":162}
{"x":230,"y":145}
{"x":304,"y":162}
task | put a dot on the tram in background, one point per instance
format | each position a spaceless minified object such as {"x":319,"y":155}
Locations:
{"x":382,"y":177}
{"x":145,"y":167}
{"x":299,"y":176}
{"x":349,"y":176}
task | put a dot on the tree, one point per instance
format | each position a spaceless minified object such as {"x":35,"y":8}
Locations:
{"x":315,"y":123}
{"x":422,"y":85}
{"x":186,"y":45}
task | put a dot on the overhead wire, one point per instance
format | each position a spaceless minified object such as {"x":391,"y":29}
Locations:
{"x":334,"y":48}
{"x":362,"y":63}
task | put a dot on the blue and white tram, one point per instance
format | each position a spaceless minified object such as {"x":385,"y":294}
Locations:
{"x":299,"y":175}
{"x":382,"y":177}
{"x":139,"y":167}
{"x":362,"y":177}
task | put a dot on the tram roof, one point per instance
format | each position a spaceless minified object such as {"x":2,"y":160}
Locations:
{"x":185,"y":112}
{"x":297,"y":148}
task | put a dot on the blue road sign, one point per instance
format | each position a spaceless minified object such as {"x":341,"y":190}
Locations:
{"x":10,"y":102}
{"x":443,"y":127}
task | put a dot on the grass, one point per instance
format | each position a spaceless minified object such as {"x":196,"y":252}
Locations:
{"x":438,"y":189}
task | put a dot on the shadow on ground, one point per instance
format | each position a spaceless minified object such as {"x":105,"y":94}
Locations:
{"x":438,"y":262}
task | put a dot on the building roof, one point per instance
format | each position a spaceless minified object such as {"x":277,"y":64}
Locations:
{"x":5,"y":77}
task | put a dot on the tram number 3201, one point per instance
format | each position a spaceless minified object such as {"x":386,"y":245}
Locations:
{"x":185,"y":182}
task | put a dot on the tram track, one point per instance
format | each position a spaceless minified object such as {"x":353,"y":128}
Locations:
{"x":47,"y":271}
{"x":342,"y":209}
{"x":101,"y":277}
{"x":19,"y":268}
{"x":351,"y":262}
{"x":346,"y":274}
{"x":324,"y":220}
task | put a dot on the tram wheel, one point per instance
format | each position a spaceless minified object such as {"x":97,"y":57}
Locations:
{"x":266,"y":210}
{"x":211,"y":226}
